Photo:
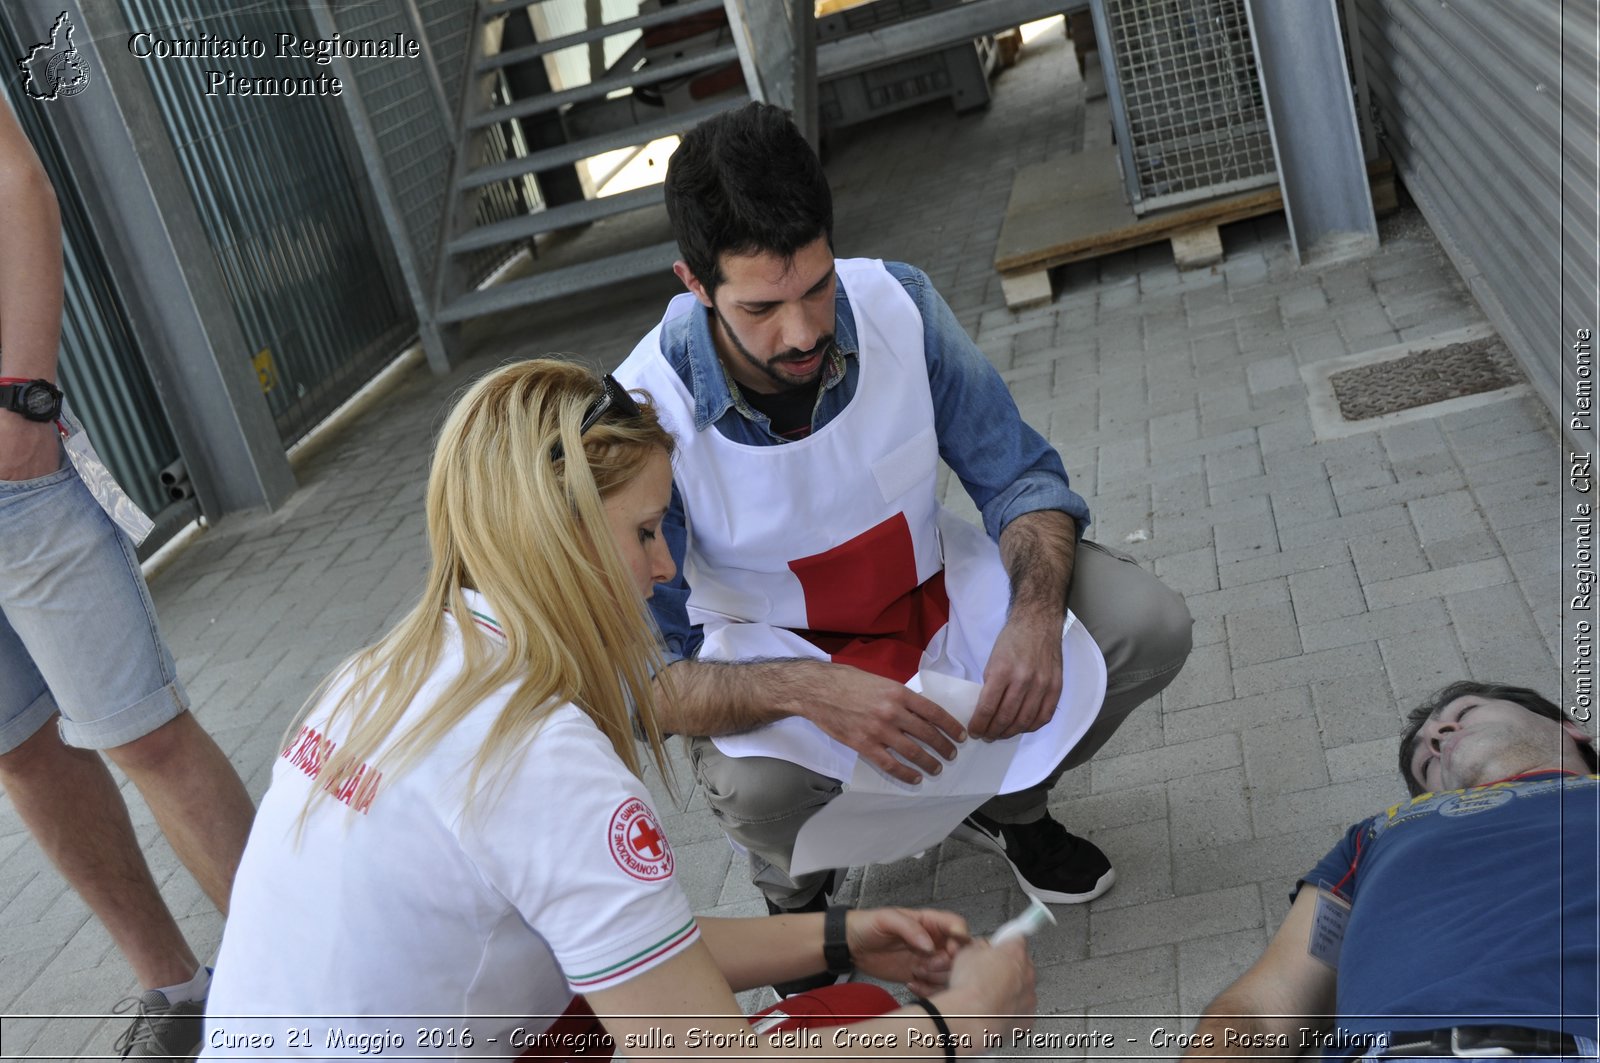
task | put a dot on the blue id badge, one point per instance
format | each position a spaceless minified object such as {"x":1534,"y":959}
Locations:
{"x":1329,"y":920}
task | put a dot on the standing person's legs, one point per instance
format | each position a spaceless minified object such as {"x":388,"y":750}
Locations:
{"x":78,"y":622}
{"x":72,"y":807}
{"x":76,"y":600}
{"x":197,"y":798}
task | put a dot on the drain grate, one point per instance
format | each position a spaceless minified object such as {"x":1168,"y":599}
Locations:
{"x":1425,"y":377}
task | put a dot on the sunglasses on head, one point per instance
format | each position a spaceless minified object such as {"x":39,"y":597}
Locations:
{"x":613,"y":397}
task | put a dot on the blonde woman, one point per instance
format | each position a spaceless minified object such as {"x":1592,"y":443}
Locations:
{"x":456,"y":843}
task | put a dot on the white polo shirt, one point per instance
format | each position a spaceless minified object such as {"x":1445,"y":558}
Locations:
{"x":398,"y":902}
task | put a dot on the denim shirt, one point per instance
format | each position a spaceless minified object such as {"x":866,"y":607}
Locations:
{"x":1007,"y":468}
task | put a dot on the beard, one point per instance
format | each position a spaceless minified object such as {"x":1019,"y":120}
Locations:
{"x":772,"y":368}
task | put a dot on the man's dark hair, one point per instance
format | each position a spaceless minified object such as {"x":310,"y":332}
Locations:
{"x":1531,"y":700}
{"x":745,"y":182}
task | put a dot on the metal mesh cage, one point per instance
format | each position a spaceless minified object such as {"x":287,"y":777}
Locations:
{"x":1192,"y":121}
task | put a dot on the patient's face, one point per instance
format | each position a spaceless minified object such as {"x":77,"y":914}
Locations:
{"x":1476,"y":740}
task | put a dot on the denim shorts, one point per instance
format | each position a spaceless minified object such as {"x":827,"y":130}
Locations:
{"x":78,"y":632}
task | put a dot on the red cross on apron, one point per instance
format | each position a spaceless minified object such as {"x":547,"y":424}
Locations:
{"x":860,"y":610}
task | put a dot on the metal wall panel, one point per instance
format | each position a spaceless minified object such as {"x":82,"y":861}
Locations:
{"x":281,"y":209}
{"x":1492,"y":128}
{"x":503,"y":199}
{"x":100,"y":366}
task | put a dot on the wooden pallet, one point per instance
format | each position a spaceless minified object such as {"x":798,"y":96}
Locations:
{"x":1072,"y":208}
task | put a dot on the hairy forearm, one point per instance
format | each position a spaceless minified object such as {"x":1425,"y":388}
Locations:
{"x":1038,"y":550}
{"x":725,"y":697}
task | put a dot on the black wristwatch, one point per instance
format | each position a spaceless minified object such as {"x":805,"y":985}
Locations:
{"x":37,"y":400}
{"x":835,"y":943}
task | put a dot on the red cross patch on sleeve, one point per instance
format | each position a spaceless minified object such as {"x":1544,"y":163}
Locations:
{"x":638,"y":844}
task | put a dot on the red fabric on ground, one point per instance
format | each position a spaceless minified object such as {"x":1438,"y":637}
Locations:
{"x":578,"y":1034}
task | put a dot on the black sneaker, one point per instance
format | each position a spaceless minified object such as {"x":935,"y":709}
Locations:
{"x":161,"y":1030}
{"x":1049,"y":863}
{"x":818,"y":903}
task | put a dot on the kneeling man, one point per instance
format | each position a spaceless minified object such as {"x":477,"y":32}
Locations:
{"x":813,"y":399}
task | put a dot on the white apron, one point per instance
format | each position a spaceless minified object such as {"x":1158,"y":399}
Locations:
{"x":835,"y":547}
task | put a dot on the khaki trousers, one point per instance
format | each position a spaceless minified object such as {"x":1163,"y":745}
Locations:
{"x":1142,"y":628}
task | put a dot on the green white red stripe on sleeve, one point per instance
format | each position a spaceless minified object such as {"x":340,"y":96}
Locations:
{"x":670,"y":945}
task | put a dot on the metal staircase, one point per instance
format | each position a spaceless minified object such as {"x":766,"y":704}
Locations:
{"x":471,"y":151}
{"x":604,"y":115}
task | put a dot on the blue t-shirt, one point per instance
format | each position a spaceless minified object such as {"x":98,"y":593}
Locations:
{"x":1472,"y":907}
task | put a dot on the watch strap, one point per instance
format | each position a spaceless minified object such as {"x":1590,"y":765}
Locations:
{"x":835,"y":942}
{"x":13,"y":388}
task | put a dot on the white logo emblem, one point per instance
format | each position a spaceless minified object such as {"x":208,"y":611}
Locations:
{"x":54,"y":69}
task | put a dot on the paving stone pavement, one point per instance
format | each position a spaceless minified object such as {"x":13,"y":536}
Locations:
{"x":1332,"y":582}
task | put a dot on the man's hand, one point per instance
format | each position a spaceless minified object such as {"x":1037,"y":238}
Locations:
{"x":28,"y":449}
{"x":914,"y":946}
{"x":1022,"y":681}
{"x":878,"y":718}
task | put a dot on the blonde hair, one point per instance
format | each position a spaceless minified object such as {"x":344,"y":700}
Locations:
{"x":529,"y":533}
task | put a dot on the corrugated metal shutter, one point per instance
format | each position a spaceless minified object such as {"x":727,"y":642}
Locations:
{"x":1489,"y":111}
{"x":309,"y":283}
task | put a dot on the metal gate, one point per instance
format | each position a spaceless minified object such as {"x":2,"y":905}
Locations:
{"x":314,"y":292}
{"x":1181,"y":76}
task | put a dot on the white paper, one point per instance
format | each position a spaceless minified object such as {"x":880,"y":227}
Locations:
{"x":979,"y":767}
{"x":877,"y":819}
{"x":855,"y":829}
{"x":877,"y":814}
{"x":1083,"y":676}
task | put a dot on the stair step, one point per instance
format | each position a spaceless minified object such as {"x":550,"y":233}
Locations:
{"x":487,"y":11}
{"x":597,"y":33}
{"x":643,"y":133}
{"x":605,"y":86}
{"x":525,"y":225}
{"x":557,"y":283}
{"x":929,"y":32}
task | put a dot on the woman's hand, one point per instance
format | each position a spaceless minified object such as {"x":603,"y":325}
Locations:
{"x":998,"y":978}
{"x":915,"y":946}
